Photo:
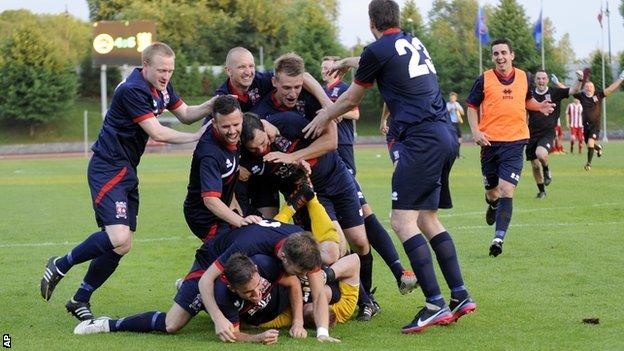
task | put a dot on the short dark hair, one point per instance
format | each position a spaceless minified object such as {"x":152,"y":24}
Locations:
{"x":384,"y":14}
{"x":302,"y":250}
{"x":225,"y":104}
{"x":502,"y":41}
{"x":239,"y":269}
{"x":541,"y":70}
{"x":251,"y":123}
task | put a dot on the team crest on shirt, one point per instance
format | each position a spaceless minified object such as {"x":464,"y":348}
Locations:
{"x":253,"y":95}
{"x":166,"y":97}
{"x":121,"y":209}
{"x":547,"y":97}
{"x":228,"y":163}
{"x":300,"y":107}
{"x":335,"y":92}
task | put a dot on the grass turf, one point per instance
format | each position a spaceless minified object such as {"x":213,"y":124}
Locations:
{"x":561,"y":262}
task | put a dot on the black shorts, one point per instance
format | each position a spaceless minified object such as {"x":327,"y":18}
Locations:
{"x":502,"y":160}
{"x":591,"y":130}
{"x":544,"y":140}
{"x":457,"y":130}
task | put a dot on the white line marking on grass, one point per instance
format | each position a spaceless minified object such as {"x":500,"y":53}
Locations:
{"x":524,"y":210}
{"x":583,"y":224}
{"x":171,"y":238}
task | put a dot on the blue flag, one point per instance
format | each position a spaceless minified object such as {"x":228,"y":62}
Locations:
{"x":537,"y":32}
{"x":481,"y":29}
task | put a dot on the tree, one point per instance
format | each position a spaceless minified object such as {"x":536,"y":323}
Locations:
{"x":509,"y":20}
{"x":555,"y":57}
{"x":311,"y":35}
{"x":455,"y":57}
{"x":39,"y":85}
{"x":596,"y":70}
{"x":411,"y":20}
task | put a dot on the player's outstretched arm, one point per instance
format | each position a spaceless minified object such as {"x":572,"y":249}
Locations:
{"x":223,"y":327}
{"x":268,"y":337}
{"x":223,"y":211}
{"x":160,"y":133}
{"x":191,"y":114}
{"x":345,"y":103}
{"x":546,"y":107}
{"x":321,"y":307}
{"x":314,"y":87}
{"x":296,"y":305}
{"x":615,"y":85}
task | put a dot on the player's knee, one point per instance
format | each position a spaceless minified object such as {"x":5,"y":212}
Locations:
{"x":330,"y":252}
{"x":173,"y":327}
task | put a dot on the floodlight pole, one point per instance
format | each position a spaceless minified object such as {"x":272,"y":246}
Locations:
{"x":103,"y":90}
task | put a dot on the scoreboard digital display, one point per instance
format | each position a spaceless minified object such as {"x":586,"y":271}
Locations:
{"x":118,"y":43}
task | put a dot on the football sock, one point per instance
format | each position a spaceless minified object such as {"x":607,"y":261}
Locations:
{"x":382,"y":243}
{"x":140,"y":323}
{"x":493,"y":204}
{"x":363,"y":296}
{"x":545,"y":169}
{"x":541,"y":187}
{"x":100,"y":269}
{"x":571,"y":147}
{"x":444,"y":248}
{"x":590,"y":154}
{"x":93,"y":246}
{"x":503,"y":216}
{"x":419,"y":255}
{"x":321,"y":223}
{"x":366,"y":271}
{"x":330,"y":275}
{"x":285,"y":214}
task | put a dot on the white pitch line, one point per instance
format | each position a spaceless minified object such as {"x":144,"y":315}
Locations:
{"x":65,"y":243}
{"x":539,"y":209}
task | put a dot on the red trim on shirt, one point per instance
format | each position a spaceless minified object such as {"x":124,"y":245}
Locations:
{"x":176,"y":105}
{"x":278,"y":105}
{"x":278,"y":246}
{"x":240,"y":96}
{"x":391,"y":31}
{"x":142,"y":118}
{"x":222,"y":141}
{"x":472,"y":106}
{"x":508,"y":77}
{"x":312,"y":162}
{"x":219,"y":266}
{"x":110,"y":184}
{"x":211,"y":233}
{"x":211,"y":194}
{"x":195,"y":274}
{"x":363,"y":84}
{"x":333,"y":85}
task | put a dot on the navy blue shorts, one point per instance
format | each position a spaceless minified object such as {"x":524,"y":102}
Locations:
{"x":426,"y":153}
{"x":502,"y":160}
{"x":347,"y":156}
{"x":358,"y":190}
{"x":114,"y":192}
{"x":263,"y":191}
{"x":343,"y":207}
{"x":205,"y":231}
{"x":189,"y":298}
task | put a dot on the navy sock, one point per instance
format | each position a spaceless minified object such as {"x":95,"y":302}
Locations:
{"x":590,"y":154}
{"x":503,"y":216}
{"x":99,"y":271}
{"x":140,"y":323}
{"x":444,"y":248}
{"x":93,"y":246}
{"x":419,"y":255}
{"x":540,"y":187}
{"x":382,"y":243}
{"x":366,"y":271}
{"x":544,"y":169}
{"x":363,"y":297}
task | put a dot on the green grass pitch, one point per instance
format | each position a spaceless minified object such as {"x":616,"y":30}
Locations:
{"x":562,"y":260}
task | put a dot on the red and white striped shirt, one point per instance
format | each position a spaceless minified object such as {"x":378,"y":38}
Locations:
{"x":575,"y":113}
